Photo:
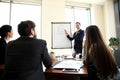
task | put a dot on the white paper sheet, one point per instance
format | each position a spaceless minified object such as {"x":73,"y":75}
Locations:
{"x":69,"y":64}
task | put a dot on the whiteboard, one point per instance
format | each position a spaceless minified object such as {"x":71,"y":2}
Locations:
{"x":59,"y":38}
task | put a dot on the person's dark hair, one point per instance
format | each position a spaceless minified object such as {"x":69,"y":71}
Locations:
{"x":24,"y":28}
{"x":4,"y":30}
{"x":102,"y":56}
{"x":78,"y":23}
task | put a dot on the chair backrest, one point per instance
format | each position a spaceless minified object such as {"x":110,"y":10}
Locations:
{"x":117,"y":57}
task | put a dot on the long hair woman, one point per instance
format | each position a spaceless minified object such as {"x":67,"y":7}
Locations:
{"x":98,"y":58}
{"x":6,"y":33}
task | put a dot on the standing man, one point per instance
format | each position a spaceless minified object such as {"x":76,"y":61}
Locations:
{"x":78,"y":37}
{"x":25,"y":55}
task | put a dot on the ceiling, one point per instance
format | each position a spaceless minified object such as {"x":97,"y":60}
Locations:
{"x":82,"y":1}
{"x":89,"y":1}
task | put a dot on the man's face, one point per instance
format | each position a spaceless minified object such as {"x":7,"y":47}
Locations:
{"x":77,"y":26}
{"x":10,"y":34}
{"x":35,"y":34}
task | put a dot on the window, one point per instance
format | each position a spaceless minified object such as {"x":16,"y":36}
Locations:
{"x":16,"y":13}
{"x":4,"y":13}
{"x":77,"y":14}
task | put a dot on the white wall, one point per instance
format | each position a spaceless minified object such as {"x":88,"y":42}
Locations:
{"x":77,"y":4}
{"x":103,"y":16}
{"x":97,"y":17}
{"x":52,"y":11}
{"x":110,"y":30}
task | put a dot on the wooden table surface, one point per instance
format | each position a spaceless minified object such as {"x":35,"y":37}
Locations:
{"x":82,"y":73}
{"x":59,"y":74}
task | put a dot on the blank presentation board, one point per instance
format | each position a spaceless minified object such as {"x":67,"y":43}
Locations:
{"x":59,"y":39}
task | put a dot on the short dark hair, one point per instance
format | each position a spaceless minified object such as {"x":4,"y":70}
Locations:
{"x":78,"y":23}
{"x":25,"y":27}
{"x":4,"y":30}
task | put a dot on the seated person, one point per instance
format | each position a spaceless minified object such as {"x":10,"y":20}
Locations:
{"x":99,"y":59}
{"x":25,"y":55}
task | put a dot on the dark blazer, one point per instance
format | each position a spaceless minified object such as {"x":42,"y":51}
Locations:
{"x":2,"y":50}
{"x":24,"y":59}
{"x":78,"y":37}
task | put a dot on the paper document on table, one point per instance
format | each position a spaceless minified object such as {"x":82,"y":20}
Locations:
{"x":69,"y":57}
{"x":69,"y":64}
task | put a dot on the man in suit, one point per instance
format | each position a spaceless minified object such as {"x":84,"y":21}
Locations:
{"x":25,"y":55}
{"x":78,"y":39}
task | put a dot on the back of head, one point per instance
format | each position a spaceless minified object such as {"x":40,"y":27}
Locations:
{"x":4,"y":30}
{"x":24,"y":28}
{"x":93,"y":34}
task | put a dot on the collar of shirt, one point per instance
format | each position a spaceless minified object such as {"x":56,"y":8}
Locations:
{"x":6,"y":40}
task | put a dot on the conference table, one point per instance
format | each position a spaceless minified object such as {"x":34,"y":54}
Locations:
{"x":59,"y":74}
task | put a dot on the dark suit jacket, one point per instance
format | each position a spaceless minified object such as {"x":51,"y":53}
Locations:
{"x":2,"y":50}
{"x":24,"y":59}
{"x":78,"y":37}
